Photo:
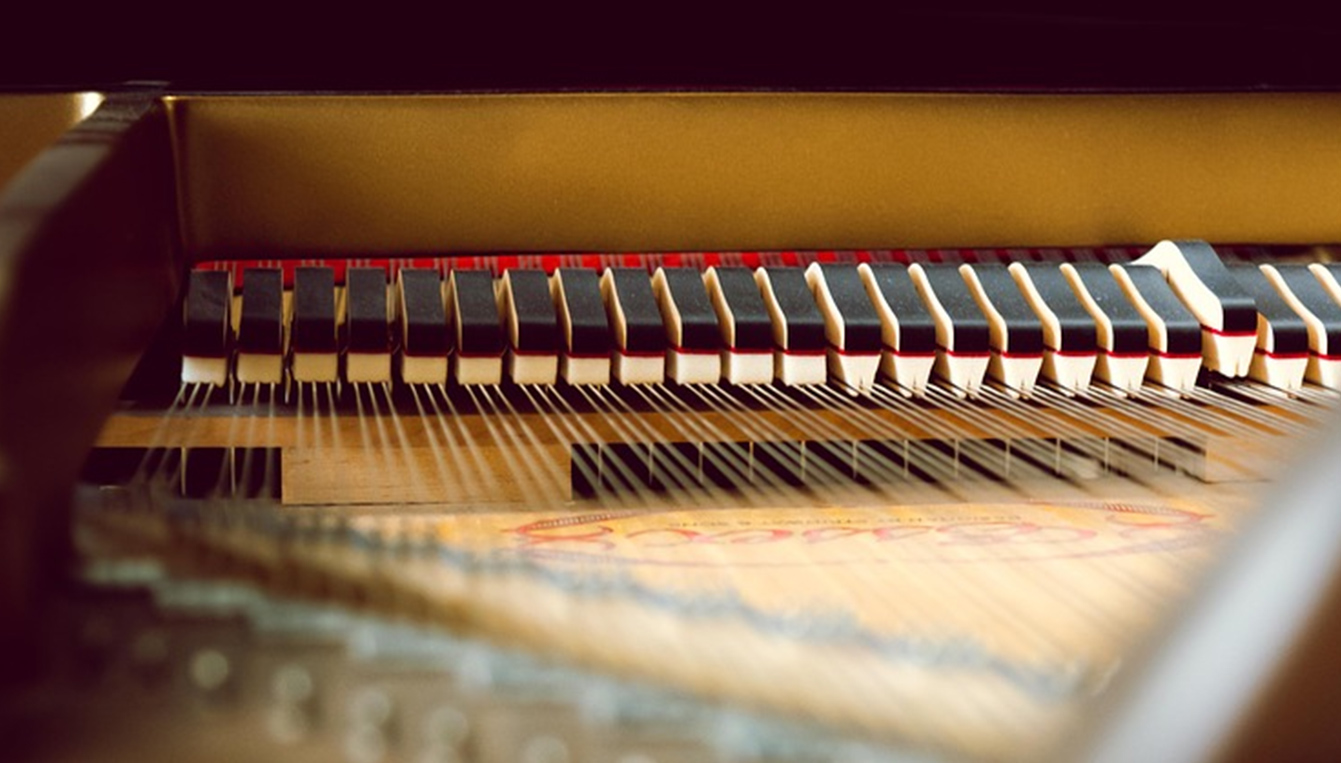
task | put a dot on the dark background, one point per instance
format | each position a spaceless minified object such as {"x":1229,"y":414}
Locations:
{"x":214,"y":46}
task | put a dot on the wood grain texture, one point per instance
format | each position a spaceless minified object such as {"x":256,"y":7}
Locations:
{"x":390,"y":455}
{"x":31,"y":122}
{"x":617,"y":172}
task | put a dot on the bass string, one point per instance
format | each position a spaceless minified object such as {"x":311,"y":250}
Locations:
{"x":678,"y":469}
{"x":1301,"y":411}
{"x":448,"y":468}
{"x":463,"y":444}
{"x":555,"y":476}
{"x":538,"y":487}
{"x":770,"y":440}
{"x":1239,"y":402}
{"x":1129,"y":410}
{"x":727,"y":461}
{"x":583,"y":431}
{"x":561,"y":431}
{"x":1098,"y":447}
{"x":381,"y":449}
{"x":943,"y":470}
{"x":631,"y":430}
{"x":836,"y":402}
{"x":691,"y":426}
{"x":1021,"y":453}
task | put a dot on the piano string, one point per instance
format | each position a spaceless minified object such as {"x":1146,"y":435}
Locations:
{"x":945,"y":572}
{"x":677,"y":437}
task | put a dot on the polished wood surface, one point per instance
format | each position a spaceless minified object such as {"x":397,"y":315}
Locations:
{"x":307,"y":175}
{"x":87,"y":275}
{"x":32,"y":122}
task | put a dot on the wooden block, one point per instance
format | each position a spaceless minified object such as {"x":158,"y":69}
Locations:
{"x":486,"y":475}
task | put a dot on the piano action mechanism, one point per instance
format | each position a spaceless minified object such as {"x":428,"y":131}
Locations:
{"x":664,"y":383}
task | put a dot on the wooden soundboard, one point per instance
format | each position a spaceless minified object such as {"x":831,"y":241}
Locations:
{"x":973,"y":629}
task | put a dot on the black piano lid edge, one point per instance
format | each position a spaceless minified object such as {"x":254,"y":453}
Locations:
{"x":496,"y":49}
{"x":169,"y":90}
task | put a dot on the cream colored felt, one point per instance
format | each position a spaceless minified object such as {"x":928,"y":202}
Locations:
{"x":1328,"y":369}
{"x":737,"y":367}
{"x":747,"y":367}
{"x":201,"y":370}
{"x":580,"y":371}
{"x":682,"y":367}
{"x":1324,"y":371}
{"x":1286,"y":373}
{"x":423,"y":370}
{"x":1178,"y":374}
{"x":1327,"y":280}
{"x":693,"y":367}
{"x":910,"y":372}
{"x":532,"y":369}
{"x":1320,"y":369}
{"x":416,"y":369}
{"x":256,"y":368}
{"x":1070,"y":372}
{"x":527,"y":368}
{"x":321,"y":367}
{"x":1229,"y":355}
{"x":788,"y":367}
{"x":205,"y":370}
{"x":471,"y":370}
{"x":855,"y":370}
{"x":639,"y":369}
{"x":964,"y":372}
{"x":575,"y":370}
{"x":262,"y":368}
{"x":1282,"y":373}
{"x":1123,"y":373}
{"x":368,"y":367}
{"x":628,"y":369}
{"x":1017,"y":373}
{"x":477,"y":370}
{"x":316,"y":367}
{"x":799,"y":370}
